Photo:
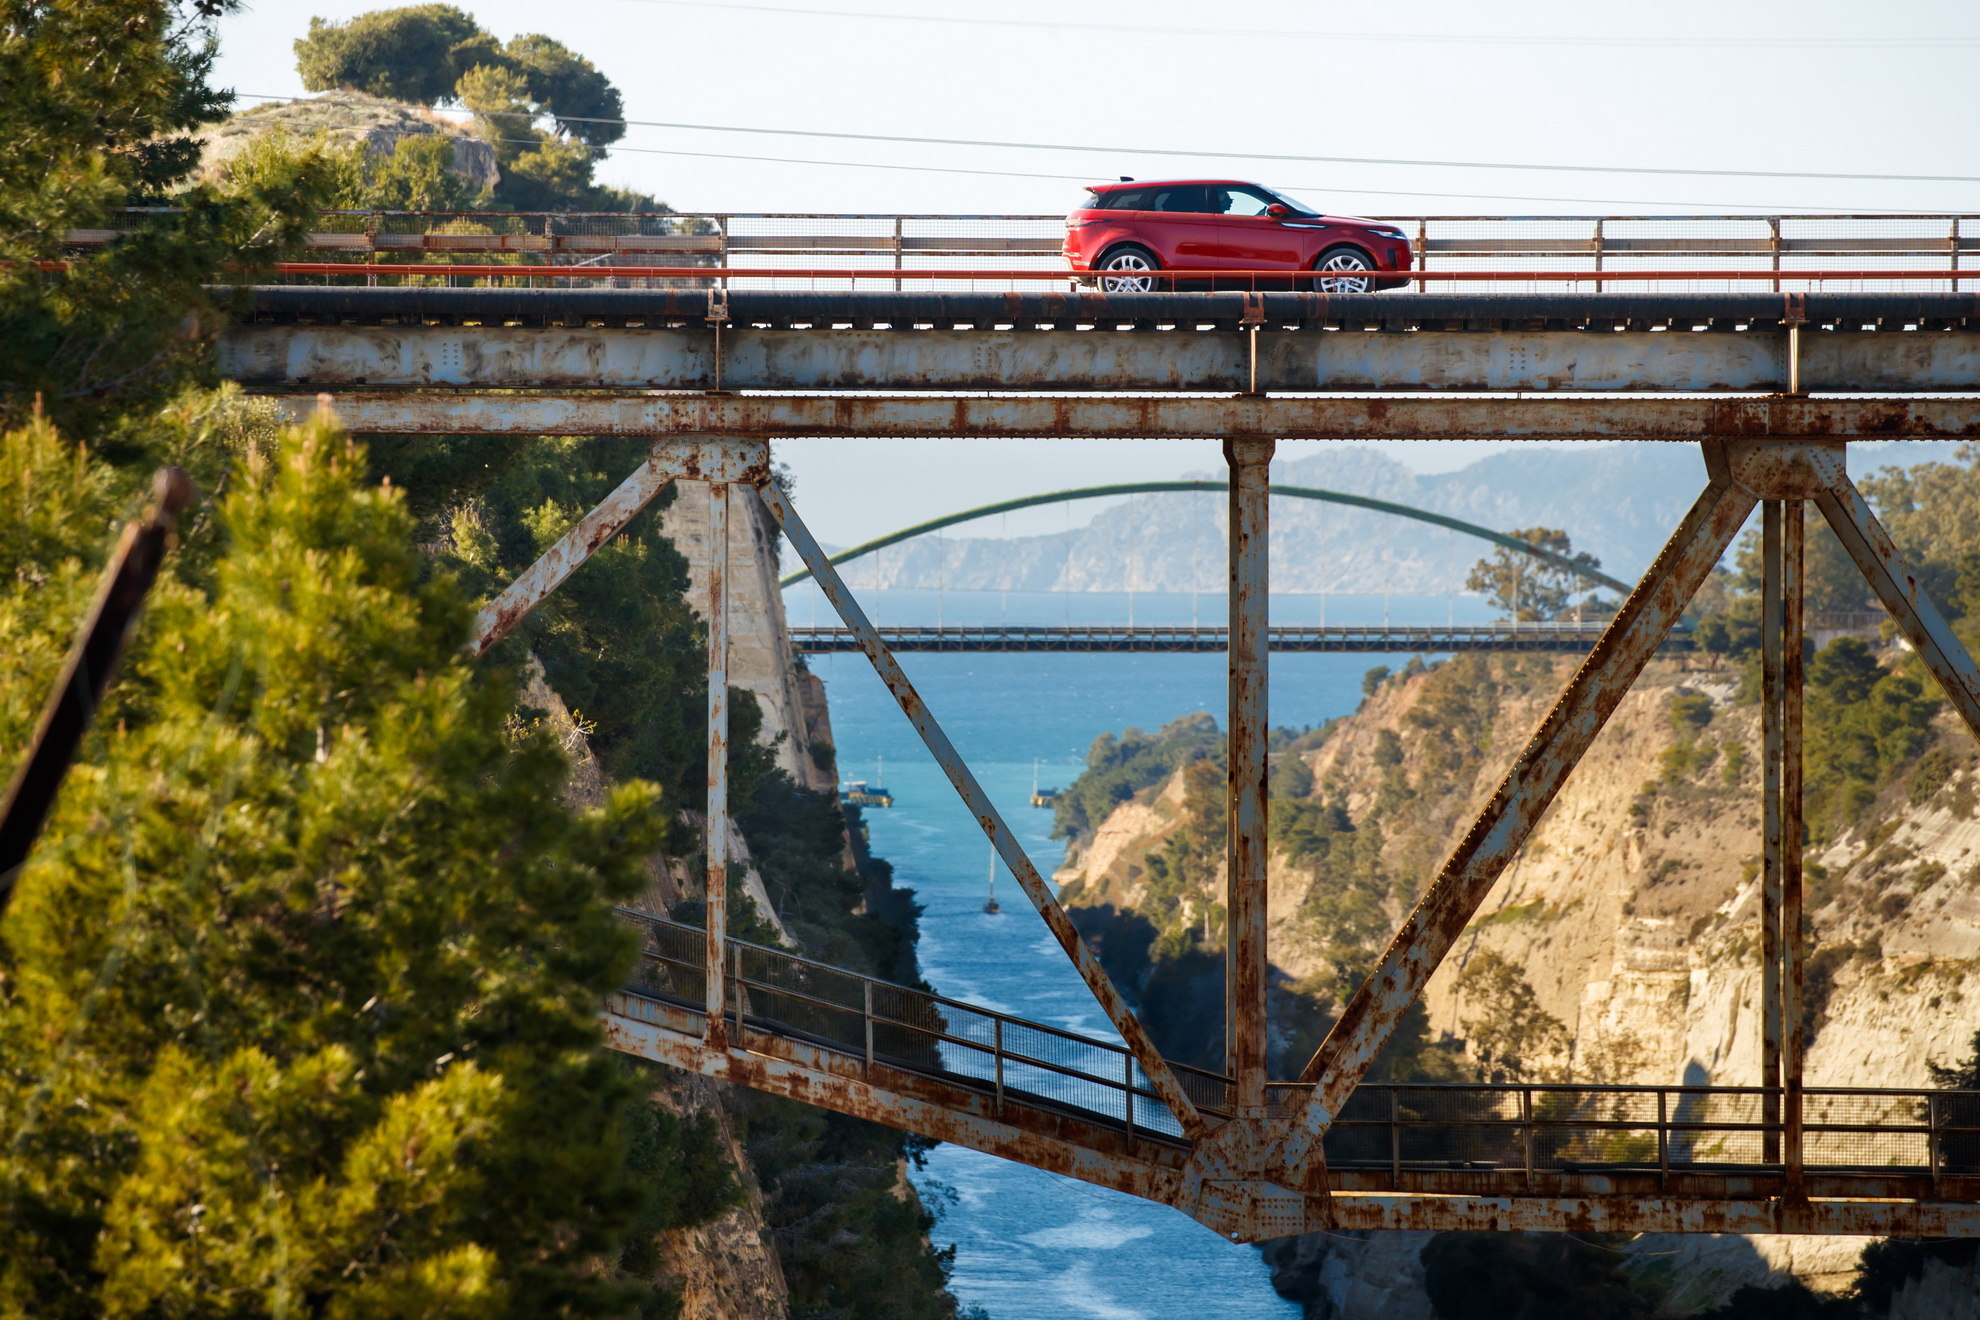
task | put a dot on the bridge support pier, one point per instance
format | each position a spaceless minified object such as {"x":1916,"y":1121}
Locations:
{"x":1245,"y":966}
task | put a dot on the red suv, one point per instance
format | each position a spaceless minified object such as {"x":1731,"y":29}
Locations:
{"x":1126,"y":231}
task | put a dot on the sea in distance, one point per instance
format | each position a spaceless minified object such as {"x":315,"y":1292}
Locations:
{"x":1032,"y":1245}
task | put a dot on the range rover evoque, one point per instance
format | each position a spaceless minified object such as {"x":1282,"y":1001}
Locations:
{"x":1124,"y":234}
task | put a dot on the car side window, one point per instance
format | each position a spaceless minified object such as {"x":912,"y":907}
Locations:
{"x":1125,"y":199}
{"x":1191,"y":197}
{"x":1244,"y":201}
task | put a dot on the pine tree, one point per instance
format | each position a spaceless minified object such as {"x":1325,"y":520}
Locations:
{"x":302,"y":980}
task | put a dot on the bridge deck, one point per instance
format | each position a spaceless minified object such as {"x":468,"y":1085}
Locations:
{"x":958,"y":1072}
{"x":1157,"y":638}
{"x":303,"y":338}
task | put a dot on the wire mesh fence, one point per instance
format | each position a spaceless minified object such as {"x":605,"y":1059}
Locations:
{"x":1006,"y":253}
{"x":1531,"y":1128}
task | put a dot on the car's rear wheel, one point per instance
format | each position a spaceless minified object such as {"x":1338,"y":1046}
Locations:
{"x":1129,"y":270}
{"x":1344,"y":270}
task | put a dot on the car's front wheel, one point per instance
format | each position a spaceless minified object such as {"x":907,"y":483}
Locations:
{"x":1344,"y":270}
{"x":1129,"y":270}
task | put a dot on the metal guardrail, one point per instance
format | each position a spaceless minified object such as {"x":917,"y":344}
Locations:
{"x":784,"y":250}
{"x":1160,"y":638}
{"x":1504,"y":1128}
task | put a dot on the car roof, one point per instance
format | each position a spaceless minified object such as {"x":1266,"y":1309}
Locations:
{"x":1170,"y":183}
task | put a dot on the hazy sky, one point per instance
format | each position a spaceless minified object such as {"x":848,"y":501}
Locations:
{"x":1806,"y":86}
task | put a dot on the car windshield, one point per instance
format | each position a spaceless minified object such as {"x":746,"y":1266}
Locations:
{"x":1301,"y":207}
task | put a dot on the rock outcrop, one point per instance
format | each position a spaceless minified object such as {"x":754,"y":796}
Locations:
{"x":343,"y":118}
{"x":1633,"y":913}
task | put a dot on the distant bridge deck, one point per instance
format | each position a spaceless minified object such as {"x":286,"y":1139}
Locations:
{"x":1612,"y":1156}
{"x":1207,"y":640}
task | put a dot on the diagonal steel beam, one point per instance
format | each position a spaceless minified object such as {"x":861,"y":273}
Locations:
{"x":1132,"y":1032}
{"x":500,"y":615}
{"x":1891,"y":578}
{"x":1377,"y":1007}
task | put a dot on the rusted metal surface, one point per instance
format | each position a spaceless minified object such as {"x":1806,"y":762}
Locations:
{"x":1245,"y":964}
{"x":1471,"y":312}
{"x":683,"y":458}
{"x":1794,"y":946}
{"x":1923,"y":626}
{"x":1770,"y":833}
{"x":91,"y":663}
{"x":918,"y":1105}
{"x":1625,"y":1198}
{"x":1377,"y":1007}
{"x":980,"y":806}
{"x":500,"y":615}
{"x":716,"y":845}
{"x":989,"y":357}
{"x":809,"y":416}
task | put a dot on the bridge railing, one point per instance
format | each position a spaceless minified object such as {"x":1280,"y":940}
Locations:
{"x":778,"y":993}
{"x":1402,"y":1127}
{"x":1003,"y":253}
{"x":1356,"y":638}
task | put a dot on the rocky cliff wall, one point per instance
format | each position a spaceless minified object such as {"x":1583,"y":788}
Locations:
{"x":760,"y":657}
{"x":1633,"y":914}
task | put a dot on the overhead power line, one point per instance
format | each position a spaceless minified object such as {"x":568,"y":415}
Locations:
{"x":1851,"y":43}
{"x":1255,"y":155}
{"x":1230,"y":155}
{"x":1770,"y":207}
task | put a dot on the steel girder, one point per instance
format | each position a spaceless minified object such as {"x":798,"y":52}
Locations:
{"x":1260,"y":1175}
{"x":341,"y":357}
{"x":1673,"y":418}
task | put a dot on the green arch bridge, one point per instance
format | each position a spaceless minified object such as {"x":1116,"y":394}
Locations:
{"x":1513,"y":543}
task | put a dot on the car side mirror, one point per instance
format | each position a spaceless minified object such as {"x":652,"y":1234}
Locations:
{"x":1278,"y":210}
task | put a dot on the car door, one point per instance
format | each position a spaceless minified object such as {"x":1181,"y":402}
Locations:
{"x":1180,"y":227}
{"x":1247,"y":237}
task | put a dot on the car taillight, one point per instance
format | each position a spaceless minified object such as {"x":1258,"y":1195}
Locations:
{"x":1077,"y":222}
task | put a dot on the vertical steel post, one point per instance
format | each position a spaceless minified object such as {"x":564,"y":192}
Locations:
{"x":997,"y":1055}
{"x":1793,"y":946}
{"x":866,"y":1016}
{"x":1932,"y":1137}
{"x":1770,"y":839}
{"x":1127,"y":1069}
{"x":1244,"y":945}
{"x":1395,"y":1138}
{"x":1663,"y":1139}
{"x":718,"y":758}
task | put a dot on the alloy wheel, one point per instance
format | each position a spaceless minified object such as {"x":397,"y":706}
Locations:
{"x":1344,"y":282}
{"x":1130,"y":283}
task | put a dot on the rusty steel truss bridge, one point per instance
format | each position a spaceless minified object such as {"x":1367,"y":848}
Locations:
{"x":1772,"y":386}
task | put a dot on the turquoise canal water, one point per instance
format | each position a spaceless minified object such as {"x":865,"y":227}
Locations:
{"x":1031,"y":1245}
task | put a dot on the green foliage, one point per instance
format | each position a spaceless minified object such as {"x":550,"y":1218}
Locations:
{"x":1932,"y":511}
{"x":1932,"y":772}
{"x":1525,"y":587}
{"x":302,"y":979}
{"x":437,"y":53}
{"x":1291,"y":777}
{"x":1119,"y":767}
{"x":1690,"y":712}
{"x":1508,"y":1030}
{"x":1793,"y":1300}
{"x":1528,"y":1276}
{"x":1181,"y":877}
{"x":1865,"y":726}
{"x":98,"y":107}
{"x":1371,"y":682}
{"x":413,"y":54}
